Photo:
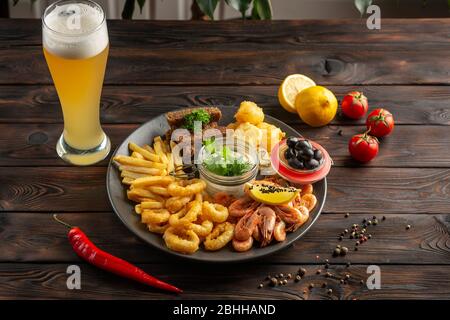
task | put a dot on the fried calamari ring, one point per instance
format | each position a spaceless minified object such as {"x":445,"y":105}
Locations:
{"x":186,"y":187}
{"x":186,"y":215}
{"x":309,"y":201}
{"x":156,"y":216}
{"x":157,"y":228}
{"x":202,"y":229}
{"x":175,"y":204}
{"x":219,"y":237}
{"x":194,"y":211}
{"x":174,"y":219}
{"x":215,"y":212}
{"x":181,"y":240}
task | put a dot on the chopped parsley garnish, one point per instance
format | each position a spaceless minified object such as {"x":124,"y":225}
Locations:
{"x":224,"y":162}
{"x":196,"y":115}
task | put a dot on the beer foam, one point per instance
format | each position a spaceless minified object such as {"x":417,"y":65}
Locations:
{"x":74,"y":30}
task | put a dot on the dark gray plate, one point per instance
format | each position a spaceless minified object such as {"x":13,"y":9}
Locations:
{"x":125,"y":209}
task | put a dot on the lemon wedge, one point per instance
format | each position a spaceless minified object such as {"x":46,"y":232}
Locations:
{"x":290,"y":87}
{"x":271,"y":194}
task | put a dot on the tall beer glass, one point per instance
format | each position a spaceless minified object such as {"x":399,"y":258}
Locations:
{"x":75,"y":41}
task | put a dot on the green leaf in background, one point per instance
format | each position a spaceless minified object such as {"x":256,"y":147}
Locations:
{"x":240,"y":5}
{"x":362,"y":5}
{"x":262,"y":9}
{"x":128,"y":9}
{"x":208,"y":7}
{"x":141,"y":4}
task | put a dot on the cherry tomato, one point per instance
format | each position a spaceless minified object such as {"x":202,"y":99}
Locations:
{"x":354,"y":105}
{"x":380,"y":122}
{"x":363,"y":147}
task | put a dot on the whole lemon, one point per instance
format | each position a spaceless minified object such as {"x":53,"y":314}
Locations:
{"x":316,"y":106}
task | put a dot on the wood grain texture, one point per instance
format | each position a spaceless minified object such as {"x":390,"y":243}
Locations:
{"x":364,"y":190}
{"x":34,"y":144}
{"x":48,"y":281}
{"x":424,"y":105}
{"x":36,"y":237}
{"x":157,"y":34}
{"x":158,"y":66}
{"x":330,"y":65}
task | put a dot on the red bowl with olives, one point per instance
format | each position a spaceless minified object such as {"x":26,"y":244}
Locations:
{"x":301,"y":160}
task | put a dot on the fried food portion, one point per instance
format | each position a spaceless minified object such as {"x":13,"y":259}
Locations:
{"x":249,"y":112}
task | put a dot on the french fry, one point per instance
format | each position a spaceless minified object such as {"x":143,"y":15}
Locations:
{"x":139,"y":162}
{"x":151,"y":205}
{"x":146,"y":154}
{"x":153,"y":181}
{"x":127,"y":180}
{"x":138,"y":209}
{"x":132,"y":175}
{"x":137,"y":155}
{"x":170,"y":165}
{"x":138,"y":195}
{"x":149,"y":148}
{"x":144,"y":170}
{"x":159,"y":190}
{"x":158,"y":146}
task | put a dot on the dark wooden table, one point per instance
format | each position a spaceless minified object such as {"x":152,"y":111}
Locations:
{"x":155,"y":67}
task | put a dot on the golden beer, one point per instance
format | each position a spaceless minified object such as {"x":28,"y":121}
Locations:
{"x":75,"y":41}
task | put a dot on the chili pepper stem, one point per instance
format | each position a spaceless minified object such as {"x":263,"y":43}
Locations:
{"x":55,"y":216}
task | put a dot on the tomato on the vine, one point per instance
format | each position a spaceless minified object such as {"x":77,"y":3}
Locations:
{"x":363,"y":147}
{"x":380,"y":122}
{"x":354,"y":105}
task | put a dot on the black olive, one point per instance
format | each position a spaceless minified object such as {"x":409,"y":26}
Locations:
{"x":289,"y":153}
{"x":307,"y":153}
{"x":318,"y":155}
{"x":294,"y":163}
{"x":312,"y":164}
{"x":302,"y":144}
{"x":291,"y":142}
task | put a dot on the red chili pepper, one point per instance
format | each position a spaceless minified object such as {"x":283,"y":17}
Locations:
{"x":86,"y":250}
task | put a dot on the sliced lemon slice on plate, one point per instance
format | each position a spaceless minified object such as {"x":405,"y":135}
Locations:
{"x":271,"y":194}
{"x":290,"y":87}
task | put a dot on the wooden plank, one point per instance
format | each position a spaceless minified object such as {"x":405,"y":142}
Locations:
{"x":137,"y":104}
{"x":281,"y":33}
{"x":48,"y":281}
{"x":327,"y":65}
{"x":362,"y":190}
{"x":408,"y":146}
{"x":36,"y":237}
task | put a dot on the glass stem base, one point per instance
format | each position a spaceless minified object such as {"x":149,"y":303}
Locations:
{"x":83,"y":157}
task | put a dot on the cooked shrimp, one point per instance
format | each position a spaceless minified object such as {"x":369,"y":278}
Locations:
{"x":242,"y":246}
{"x":307,"y":189}
{"x":294,"y":217}
{"x":246,"y":225}
{"x":279,"y":232}
{"x":242,"y":206}
{"x":267,"y":224}
{"x":223,"y":198}
{"x":257,"y":234}
{"x":309,"y":201}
